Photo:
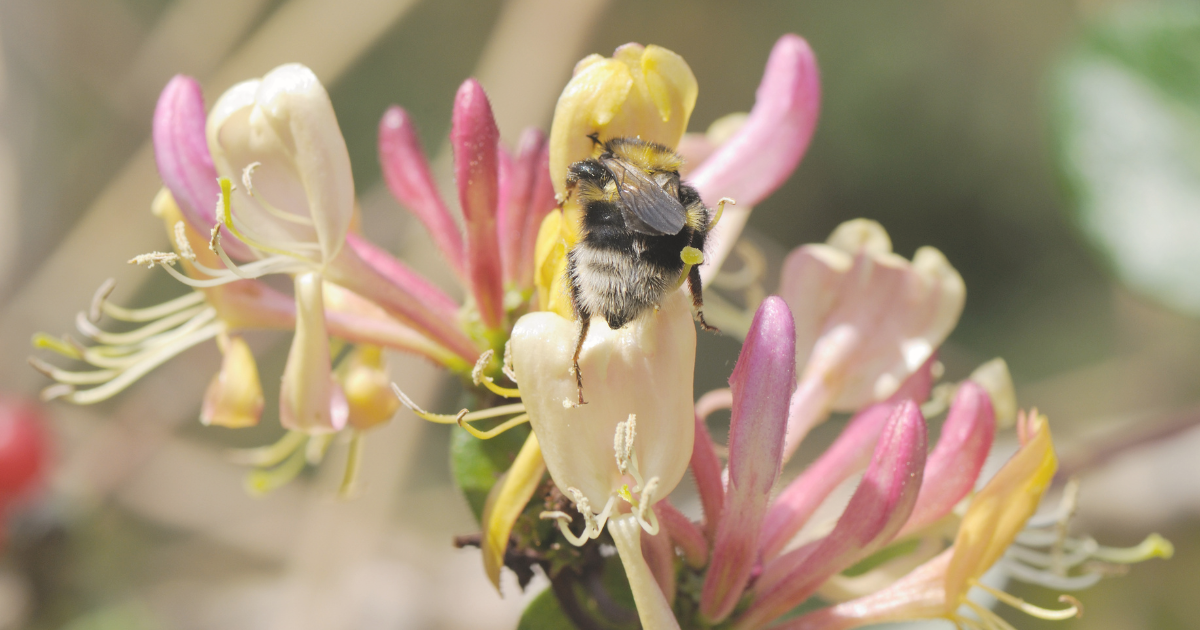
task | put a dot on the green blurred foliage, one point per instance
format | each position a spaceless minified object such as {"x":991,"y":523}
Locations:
{"x":1127,"y":130}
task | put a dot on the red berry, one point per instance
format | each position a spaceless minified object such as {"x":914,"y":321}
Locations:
{"x":23,"y":449}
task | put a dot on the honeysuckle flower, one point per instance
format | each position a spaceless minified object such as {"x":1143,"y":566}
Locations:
{"x":234,"y":397}
{"x":264,"y":179}
{"x":628,"y":447}
{"x":868,"y":319}
{"x":998,"y":516}
{"x":344,"y":257}
{"x":279,"y":137}
{"x":848,"y":455}
{"x":761,"y":386}
{"x":642,"y":370}
{"x":641,"y":91}
{"x":410,"y":179}
{"x":607,"y":97}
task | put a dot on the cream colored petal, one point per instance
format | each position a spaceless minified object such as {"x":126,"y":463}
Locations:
{"x":644,"y":369}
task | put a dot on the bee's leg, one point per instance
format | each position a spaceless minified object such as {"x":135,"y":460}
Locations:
{"x":585,"y":322}
{"x":698,"y":298}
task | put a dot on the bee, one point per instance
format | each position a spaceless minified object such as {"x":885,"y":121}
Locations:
{"x":637,"y":219}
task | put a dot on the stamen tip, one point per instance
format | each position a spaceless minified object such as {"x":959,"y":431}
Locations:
{"x":477,"y":373}
{"x":1075,"y":603}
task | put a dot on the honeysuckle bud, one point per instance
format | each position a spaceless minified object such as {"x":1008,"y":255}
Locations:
{"x":881,"y":504}
{"x":308,"y":399}
{"x":234,"y":398}
{"x":644,"y":369}
{"x":529,"y":197}
{"x":848,"y":455}
{"x":939,"y":587}
{"x":409,"y":177}
{"x":641,"y":91}
{"x":279,"y":139}
{"x":866,"y":319}
{"x":954,"y":464}
{"x":761,"y":384}
{"x":368,"y":388}
{"x":184,"y":163}
{"x":475,"y":140}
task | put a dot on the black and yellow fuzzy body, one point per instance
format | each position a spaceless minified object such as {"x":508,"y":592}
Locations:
{"x":637,"y":219}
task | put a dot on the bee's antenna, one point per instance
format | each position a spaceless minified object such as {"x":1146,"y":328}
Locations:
{"x":595,"y":137}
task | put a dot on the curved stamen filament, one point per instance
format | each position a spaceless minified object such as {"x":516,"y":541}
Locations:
{"x":988,"y":620}
{"x":90,"y":377}
{"x":353,"y":464}
{"x":318,"y":445}
{"x":1030,"y":575}
{"x":1074,"y":610}
{"x":274,"y":264}
{"x":594,"y":522}
{"x":247,"y":174}
{"x":228,"y":219}
{"x":270,"y":455}
{"x":501,"y":428}
{"x":439,"y":418}
{"x":137,"y":335}
{"x":262,"y":481}
{"x":146,"y":362}
{"x":720,"y":211}
{"x":1060,"y":563}
{"x":478,"y":377}
{"x":1154,"y":546}
{"x":144,"y":314}
{"x":121,"y":357}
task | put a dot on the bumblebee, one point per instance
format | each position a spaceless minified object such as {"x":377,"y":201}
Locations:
{"x":638,"y":217}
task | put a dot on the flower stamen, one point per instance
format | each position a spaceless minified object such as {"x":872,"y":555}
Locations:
{"x":1074,"y":610}
{"x":247,"y":175}
{"x":464,"y":416}
{"x":478,"y":377}
{"x":593,"y":523}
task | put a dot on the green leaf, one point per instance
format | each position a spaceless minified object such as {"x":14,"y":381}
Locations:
{"x":543,"y":613}
{"x":1127,"y":134}
{"x":477,"y":464}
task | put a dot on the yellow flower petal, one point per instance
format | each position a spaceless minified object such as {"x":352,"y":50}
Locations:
{"x":505,"y":503}
{"x":555,"y":238}
{"x":999,"y":511}
{"x":234,"y":398}
{"x":642,"y":91}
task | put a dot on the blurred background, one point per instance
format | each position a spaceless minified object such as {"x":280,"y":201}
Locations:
{"x":1051,"y":149}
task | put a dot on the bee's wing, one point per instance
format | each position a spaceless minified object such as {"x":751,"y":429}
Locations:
{"x":645,"y":206}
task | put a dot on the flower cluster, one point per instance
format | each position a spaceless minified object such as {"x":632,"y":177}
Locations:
{"x":261,"y":184}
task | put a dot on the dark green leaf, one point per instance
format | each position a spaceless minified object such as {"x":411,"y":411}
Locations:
{"x":543,"y":613}
{"x":478,"y":463}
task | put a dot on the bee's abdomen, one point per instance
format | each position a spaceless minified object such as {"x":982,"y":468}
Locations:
{"x":610,"y":278}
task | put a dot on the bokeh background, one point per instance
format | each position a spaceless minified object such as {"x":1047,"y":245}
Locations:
{"x":1003,"y":133}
